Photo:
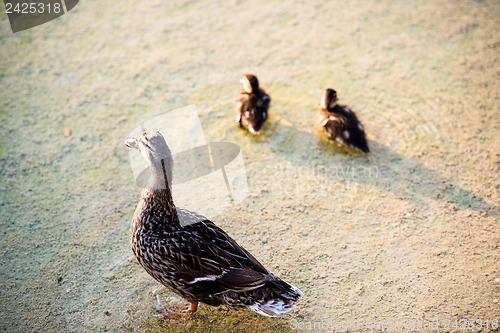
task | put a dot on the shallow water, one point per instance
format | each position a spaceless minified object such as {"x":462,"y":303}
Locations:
{"x":406,"y":233}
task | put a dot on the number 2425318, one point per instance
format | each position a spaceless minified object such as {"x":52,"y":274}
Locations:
{"x":32,"y":8}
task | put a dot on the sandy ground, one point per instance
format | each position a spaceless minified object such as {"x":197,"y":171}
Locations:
{"x":406,"y":234}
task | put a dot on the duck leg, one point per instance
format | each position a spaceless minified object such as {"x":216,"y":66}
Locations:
{"x":238,"y":119}
{"x":182,"y":314}
{"x":238,"y":116}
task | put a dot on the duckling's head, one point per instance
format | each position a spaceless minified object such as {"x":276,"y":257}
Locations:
{"x":250,"y":83}
{"x":155,"y":150}
{"x":329,"y":99}
{"x":253,"y":119}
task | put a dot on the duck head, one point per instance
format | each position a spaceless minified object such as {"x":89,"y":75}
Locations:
{"x":254,"y":120}
{"x":329,"y":99}
{"x":250,"y":83}
{"x":155,"y":150}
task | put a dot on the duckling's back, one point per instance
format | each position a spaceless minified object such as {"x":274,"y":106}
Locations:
{"x":342,"y":125}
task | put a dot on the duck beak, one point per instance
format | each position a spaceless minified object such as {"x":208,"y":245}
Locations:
{"x":242,"y":80}
{"x":254,"y":132}
{"x":132,"y":143}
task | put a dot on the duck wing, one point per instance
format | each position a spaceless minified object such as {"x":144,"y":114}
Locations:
{"x":355,"y":137}
{"x":204,"y":255}
{"x":333,"y":124}
{"x":264,"y":99}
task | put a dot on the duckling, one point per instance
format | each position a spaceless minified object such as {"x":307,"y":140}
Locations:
{"x":253,"y":104}
{"x":195,"y":258}
{"x":340,"y":123}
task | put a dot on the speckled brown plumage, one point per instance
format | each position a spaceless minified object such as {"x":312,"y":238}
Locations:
{"x":340,"y":123}
{"x":191,"y":255}
{"x":253,"y":104}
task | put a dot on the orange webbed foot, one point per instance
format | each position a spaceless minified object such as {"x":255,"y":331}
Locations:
{"x":180,"y":313}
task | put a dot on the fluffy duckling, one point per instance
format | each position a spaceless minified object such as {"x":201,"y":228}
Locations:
{"x":195,"y":258}
{"x":253,"y":104}
{"x":340,"y":123}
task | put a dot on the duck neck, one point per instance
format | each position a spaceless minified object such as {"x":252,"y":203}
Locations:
{"x":161,"y":175}
{"x":161,"y":199}
{"x":159,"y":190}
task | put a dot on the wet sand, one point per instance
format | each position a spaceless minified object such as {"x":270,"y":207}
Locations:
{"x":408,"y":233}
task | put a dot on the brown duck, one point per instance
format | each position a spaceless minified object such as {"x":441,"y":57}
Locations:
{"x":253,"y":104}
{"x":340,"y":123}
{"x":190,"y":255}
